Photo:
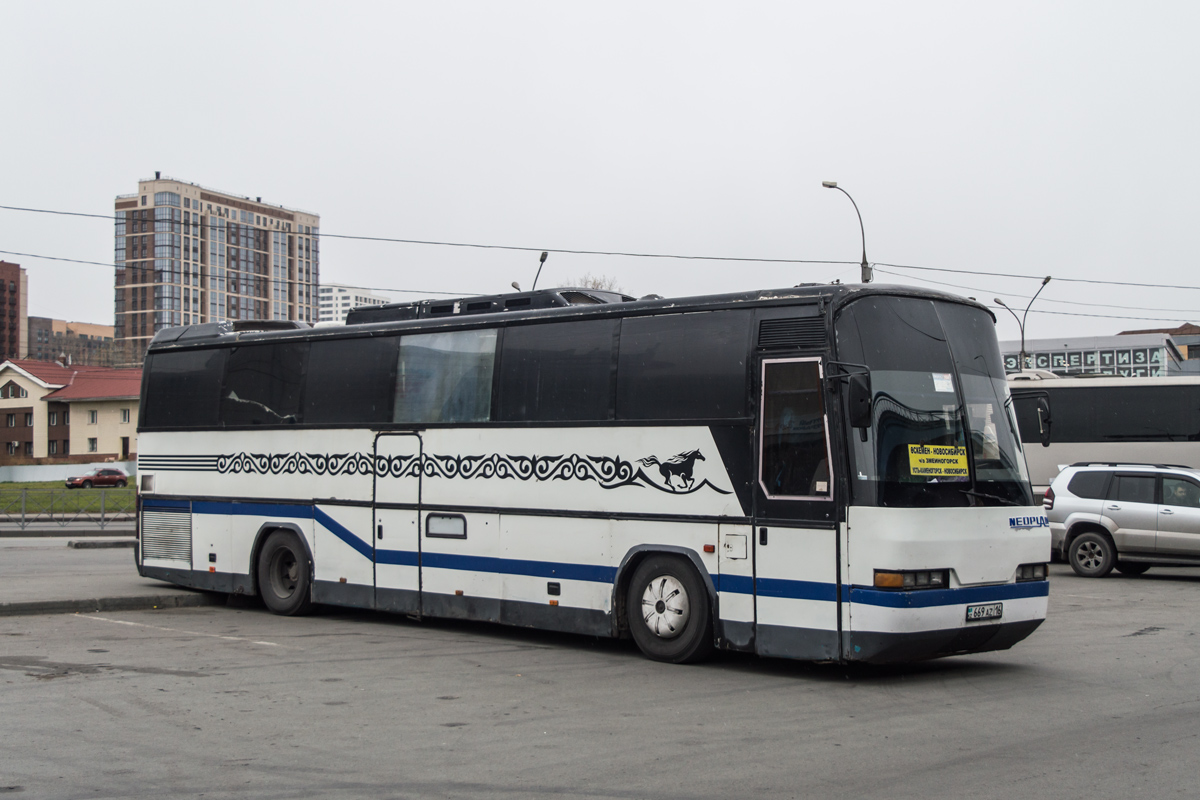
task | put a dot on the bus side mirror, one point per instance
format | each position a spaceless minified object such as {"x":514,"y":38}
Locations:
{"x":859,"y":400}
{"x":1043,"y":412}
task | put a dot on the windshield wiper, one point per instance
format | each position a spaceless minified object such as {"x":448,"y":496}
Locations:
{"x":1003,"y":500}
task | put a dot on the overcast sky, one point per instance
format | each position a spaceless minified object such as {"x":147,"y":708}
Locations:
{"x":1028,"y":138}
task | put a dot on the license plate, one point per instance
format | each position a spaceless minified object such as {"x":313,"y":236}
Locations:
{"x":986,"y":611}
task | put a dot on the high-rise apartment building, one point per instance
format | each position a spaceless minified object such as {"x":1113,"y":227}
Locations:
{"x":186,"y":254}
{"x":14,"y":311}
{"x":72,"y":343}
{"x":337,"y":300}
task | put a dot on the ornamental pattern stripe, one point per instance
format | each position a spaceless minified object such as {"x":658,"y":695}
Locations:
{"x":608,"y":472}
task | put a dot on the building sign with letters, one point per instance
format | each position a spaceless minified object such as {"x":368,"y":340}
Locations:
{"x":1138,"y":362}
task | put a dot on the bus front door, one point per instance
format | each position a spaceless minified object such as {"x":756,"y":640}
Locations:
{"x":397,"y":540}
{"x":795,"y":535}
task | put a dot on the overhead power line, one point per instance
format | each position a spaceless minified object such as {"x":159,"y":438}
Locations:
{"x":249,"y":275}
{"x":629,"y":254}
{"x":992,"y":292}
{"x":1041,"y":277}
{"x":466,"y":294}
{"x":481,"y":246}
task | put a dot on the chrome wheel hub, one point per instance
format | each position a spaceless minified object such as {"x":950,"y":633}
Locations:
{"x":665,"y":608}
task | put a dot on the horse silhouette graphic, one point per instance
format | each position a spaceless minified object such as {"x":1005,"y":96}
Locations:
{"x":676,"y":468}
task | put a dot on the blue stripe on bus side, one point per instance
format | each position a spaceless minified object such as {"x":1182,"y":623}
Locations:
{"x":927,"y":598}
{"x":797,"y":590}
{"x":776,"y":587}
{"x":403,"y":558}
{"x":150,"y":502}
{"x":541,"y":569}
{"x":512,"y":566}
{"x":344,"y":533}
{"x":254,"y":509}
{"x":736,"y":584}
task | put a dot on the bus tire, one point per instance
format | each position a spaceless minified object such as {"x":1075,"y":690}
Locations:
{"x":669,"y":615}
{"x":283,"y":575}
{"x":1092,"y":555}
{"x":1131,"y":567}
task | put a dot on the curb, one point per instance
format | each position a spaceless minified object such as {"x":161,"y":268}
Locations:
{"x":94,"y":545}
{"x":144,"y":603}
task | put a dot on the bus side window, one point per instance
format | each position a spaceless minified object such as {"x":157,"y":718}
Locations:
{"x":683,"y":366}
{"x":182,"y":388}
{"x":445,"y":377}
{"x":350,"y":381}
{"x":263,"y":384}
{"x":795,"y":457}
{"x":563,"y":371}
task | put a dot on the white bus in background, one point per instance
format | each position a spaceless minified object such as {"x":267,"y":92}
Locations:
{"x":1105,"y":419}
{"x":828,"y":473}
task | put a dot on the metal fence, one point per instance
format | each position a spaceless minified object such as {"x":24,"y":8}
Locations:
{"x":62,"y":507}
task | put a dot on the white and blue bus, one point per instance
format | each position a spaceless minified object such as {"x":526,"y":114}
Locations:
{"x":829,"y":473}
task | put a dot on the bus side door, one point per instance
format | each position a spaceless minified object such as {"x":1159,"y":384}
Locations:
{"x":795,"y":535}
{"x":397,"y":507}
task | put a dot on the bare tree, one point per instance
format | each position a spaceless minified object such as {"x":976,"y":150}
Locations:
{"x":590,"y":281}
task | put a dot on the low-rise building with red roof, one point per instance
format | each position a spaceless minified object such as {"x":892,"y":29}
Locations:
{"x":51,"y":412}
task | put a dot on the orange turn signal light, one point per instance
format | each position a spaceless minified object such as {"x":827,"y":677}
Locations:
{"x":889,"y":580}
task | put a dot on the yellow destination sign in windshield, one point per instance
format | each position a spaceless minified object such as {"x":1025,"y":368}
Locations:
{"x":936,"y":461}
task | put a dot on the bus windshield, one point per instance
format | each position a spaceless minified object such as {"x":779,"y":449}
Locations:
{"x":943,"y":430}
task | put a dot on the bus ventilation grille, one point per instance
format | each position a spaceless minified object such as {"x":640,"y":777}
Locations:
{"x":807,"y":332}
{"x":580,"y":299}
{"x":167,"y":534}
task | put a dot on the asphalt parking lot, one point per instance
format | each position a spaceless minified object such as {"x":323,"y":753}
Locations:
{"x":217,"y":701}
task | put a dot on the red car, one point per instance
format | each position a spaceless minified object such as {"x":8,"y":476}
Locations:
{"x":99,"y":477}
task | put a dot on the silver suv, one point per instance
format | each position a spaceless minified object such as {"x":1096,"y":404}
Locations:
{"x":1128,"y":516}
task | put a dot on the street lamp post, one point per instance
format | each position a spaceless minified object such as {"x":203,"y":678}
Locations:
{"x":1021,"y":320}
{"x":866,"y":268}
{"x":541,"y":263}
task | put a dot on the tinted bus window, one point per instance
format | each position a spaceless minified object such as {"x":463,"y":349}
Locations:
{"x":350,"y":381}
{"x":263,"y":384}
{"x":557,"y":372}
{"x":445,"y":377}
{"x":794,"y":454}
{"x":1116,"y":414}
{"x":683,"y":366}
{"x":183,"y":389}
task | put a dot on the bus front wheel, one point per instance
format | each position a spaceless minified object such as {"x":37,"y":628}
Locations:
{"x":283,"y":575}
{"x":670,"y":617}
{"x":1092,"y":555}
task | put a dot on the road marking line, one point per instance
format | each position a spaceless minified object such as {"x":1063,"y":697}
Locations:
{"x":177,"y":630}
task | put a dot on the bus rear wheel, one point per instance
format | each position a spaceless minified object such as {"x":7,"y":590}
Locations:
{"x":668,"y":611}
{"x":1092,"y":555}
{"x":283,"y":575}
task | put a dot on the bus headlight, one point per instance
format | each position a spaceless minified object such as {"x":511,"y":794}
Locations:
{"x":1033,"y":572}
{"x":907,"y":580}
